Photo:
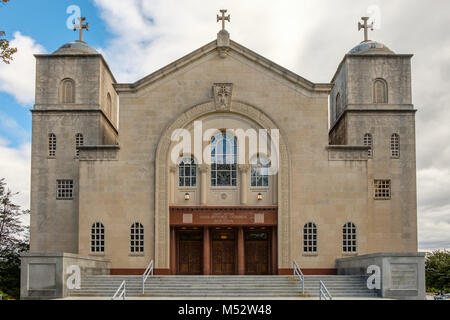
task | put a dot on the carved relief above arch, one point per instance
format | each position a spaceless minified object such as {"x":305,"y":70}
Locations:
{"x":162,"y":223}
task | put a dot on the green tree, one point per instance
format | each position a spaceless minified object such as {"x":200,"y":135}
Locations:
{"x":6,"y":52}
{"x":437,"y":271}
{"x":14,"y":240}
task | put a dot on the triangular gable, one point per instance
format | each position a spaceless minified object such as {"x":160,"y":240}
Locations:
{"x":235,"y":47}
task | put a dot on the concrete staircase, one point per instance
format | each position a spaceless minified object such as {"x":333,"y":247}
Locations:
{"x":223,"y":286}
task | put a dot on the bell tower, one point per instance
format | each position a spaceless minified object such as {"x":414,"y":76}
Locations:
{"x":371,"y":105}
{"x":76,"y":106}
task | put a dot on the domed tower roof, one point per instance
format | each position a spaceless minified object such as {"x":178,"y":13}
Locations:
{"x":371,"y":47}
{"x":75,"y":47}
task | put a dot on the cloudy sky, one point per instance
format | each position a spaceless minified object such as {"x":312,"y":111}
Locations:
{"x":308,"y":37}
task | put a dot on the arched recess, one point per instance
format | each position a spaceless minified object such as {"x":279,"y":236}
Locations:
{"x":162,"y":223}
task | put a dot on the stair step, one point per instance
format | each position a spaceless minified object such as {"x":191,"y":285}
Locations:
{"x":224,"y":286}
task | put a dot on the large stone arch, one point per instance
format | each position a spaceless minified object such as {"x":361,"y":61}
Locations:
{"x":162,"y":223}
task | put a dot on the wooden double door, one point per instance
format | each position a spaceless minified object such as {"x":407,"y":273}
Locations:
{"x":223,"y":246}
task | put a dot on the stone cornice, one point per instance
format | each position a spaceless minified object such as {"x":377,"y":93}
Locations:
{"x":37,"y":111}
{"x":371,"y":109}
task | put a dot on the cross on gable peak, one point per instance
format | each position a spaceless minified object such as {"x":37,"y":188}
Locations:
{"x":223,"y":18}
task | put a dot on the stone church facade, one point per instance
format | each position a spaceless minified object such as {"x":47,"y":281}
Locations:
{"x":104,"y":184}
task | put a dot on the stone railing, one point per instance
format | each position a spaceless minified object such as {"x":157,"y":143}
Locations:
{"x":347,"y":153}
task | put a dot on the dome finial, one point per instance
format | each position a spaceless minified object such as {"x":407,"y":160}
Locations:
{"x":81,"y":26}
{"x":366,"y":27}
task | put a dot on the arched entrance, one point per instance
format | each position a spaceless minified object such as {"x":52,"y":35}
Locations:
{"x":163,"y":237}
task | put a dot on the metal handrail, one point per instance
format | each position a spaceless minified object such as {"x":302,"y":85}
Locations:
{"x":298,"y":272}
{"x":323,"y":292}
{"x":148,"y":271}
{"x":121,"y":292}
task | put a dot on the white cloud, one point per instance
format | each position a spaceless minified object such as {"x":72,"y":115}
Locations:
{"x":160,"y":31}
{"x":434,"y":208}
{"x":15,"y":167}
{"x":18,"y":77}
{"x":8,"y":124}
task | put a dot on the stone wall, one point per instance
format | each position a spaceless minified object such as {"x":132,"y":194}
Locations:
{"x":402,"y":274}
{"x":44,"y":276}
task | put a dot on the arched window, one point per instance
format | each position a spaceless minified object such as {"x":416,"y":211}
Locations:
{"x":395,"y":146}
{"x":137,"y":238}
{"x":98,"y":238}
{"x":223,"y":161}
{"x":310,"y":238}
{"x":187,"y":173}
{"x":380,"y":91}
{"x":52,"y":145}
{"x":368,"y":142}
{"x":259,"y":172}
{"x":79,"y":142}
{"x":349,"y":238}
{"x":67,"y":91}
{"x":109,"y":106}
{"x":338,"y":105}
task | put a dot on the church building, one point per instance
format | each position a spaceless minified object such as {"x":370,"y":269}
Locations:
{"x":331,"y":174}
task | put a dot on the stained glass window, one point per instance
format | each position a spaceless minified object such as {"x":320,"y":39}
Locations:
{"x":223,"y":161}
{"x":187,"y":173}
{"x":260,"y":172}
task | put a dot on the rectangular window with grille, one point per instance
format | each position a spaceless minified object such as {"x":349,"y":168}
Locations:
{"x":79,"y":142}
{"x":137,"y":238}
{"x":98,"y":238}
{"x":395,"y":146}
{"x":65,"y":190}
{"x":368,"y":142}
{"x":52,"y":145}
{"x":382,"y":189}
{"x":349,"y":238}
{"x":310,"y":238}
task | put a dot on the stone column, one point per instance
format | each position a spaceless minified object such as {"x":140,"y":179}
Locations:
{"x":243,"y":168}
{"x":203,"y":168}
{"x":173,"y":249}
{"x":172,"y":171}
{"x":274,"y":189}
{"x":206,"y":252}
{"x":241,"y":251}
{"x":274,"y":251}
